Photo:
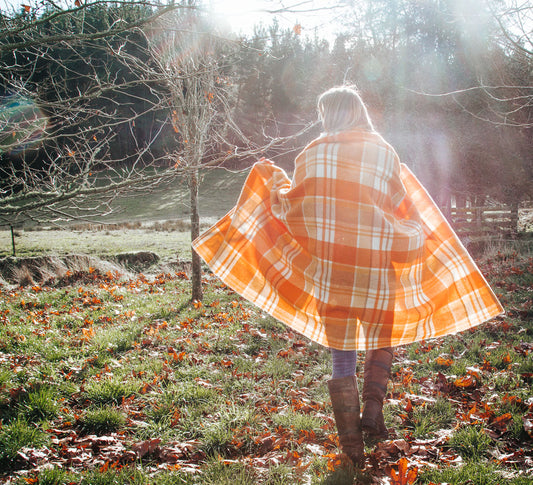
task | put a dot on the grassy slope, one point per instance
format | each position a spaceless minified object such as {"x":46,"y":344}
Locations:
{"x":105,"y":381}
{"x":219,"y":191}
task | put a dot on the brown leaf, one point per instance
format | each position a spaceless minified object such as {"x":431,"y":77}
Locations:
{"x":177,"y":451}
{"x":146,"y":447}
{"x":402,"y":445}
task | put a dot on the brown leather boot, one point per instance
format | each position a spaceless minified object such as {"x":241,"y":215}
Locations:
{"x":345,"y":401}
{"x":376,"y":376}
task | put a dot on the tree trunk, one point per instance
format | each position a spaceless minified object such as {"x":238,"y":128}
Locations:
{"x":196,"y":262}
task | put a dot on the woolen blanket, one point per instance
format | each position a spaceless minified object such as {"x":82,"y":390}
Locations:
{"x":352,"y":253}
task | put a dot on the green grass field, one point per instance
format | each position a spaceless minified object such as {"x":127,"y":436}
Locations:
{"x":218,"y":192}
{"x":168,"y":244}
{"x":105,"y":380}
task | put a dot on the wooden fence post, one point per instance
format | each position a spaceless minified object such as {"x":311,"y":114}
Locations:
{"x":13,"y":241}
{"x":514,"y":217}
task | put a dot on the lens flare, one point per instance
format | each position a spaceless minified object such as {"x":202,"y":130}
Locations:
{"x":185,"y":39}
{"x":22,"y":124}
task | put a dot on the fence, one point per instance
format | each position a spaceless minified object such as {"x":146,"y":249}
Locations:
{"x":484,"y":220}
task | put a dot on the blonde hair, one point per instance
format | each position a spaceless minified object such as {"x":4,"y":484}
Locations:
{"x":341,"y":108}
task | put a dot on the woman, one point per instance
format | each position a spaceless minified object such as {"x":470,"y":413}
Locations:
{"x":353,"y":254}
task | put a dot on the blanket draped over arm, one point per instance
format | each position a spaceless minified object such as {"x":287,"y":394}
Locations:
{"x":352,"y":253}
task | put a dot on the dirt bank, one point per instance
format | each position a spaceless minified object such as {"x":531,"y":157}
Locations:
{"x":46,"y":269}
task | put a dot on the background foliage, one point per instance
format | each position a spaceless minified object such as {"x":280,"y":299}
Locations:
{"x":445,"y":81}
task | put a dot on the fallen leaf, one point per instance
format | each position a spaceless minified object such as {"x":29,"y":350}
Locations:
{"x":405,"y":475}
{"x":146,"y":447}
{"x":465,"y":382}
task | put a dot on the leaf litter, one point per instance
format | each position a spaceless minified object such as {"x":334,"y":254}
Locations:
{"x":139,"y":346}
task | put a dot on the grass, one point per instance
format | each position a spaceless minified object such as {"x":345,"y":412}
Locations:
{"x":15,"y":436}
{"x":218,"y":192}
{"x":40,"y":404}
{"x":431,"y":417}
{"x":109,"y":380}
{"x":102,"y":420}
{"x":168,"y":245}
{"x":474,"y":473}
{"x":157,"y":222}
{"x":471,"y":442}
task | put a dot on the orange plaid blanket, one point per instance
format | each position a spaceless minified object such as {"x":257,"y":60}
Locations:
{"x":352,"y":253}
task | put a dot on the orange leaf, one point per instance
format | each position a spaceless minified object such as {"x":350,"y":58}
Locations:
{"x":297,"y":29}
{"x":444,"y":362}
{"x":404,"y":476}
{"x":465,"y":382}
{"x":505,"y":418}
{"x":77,"y":3}
{"x":27,"y":8}
{"x":402,"y":467}
{"x":412,"y":475}
{"x":175,"y":418}
{"x":88,"y":332}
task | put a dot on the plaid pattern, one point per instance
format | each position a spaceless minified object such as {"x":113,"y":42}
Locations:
{"x":352,"y":253}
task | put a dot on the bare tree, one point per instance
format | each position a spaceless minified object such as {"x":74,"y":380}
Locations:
{"x":197,"y":66}
{"x":513,"y":97}
{"x":97,"y":108}
{"x":189,"y":60}
{"x":78,"y":124}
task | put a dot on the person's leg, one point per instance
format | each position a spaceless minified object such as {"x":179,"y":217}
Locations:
{"x":377,"y":371}
{"x":344,"y":363}
{"x":345,"y":402}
